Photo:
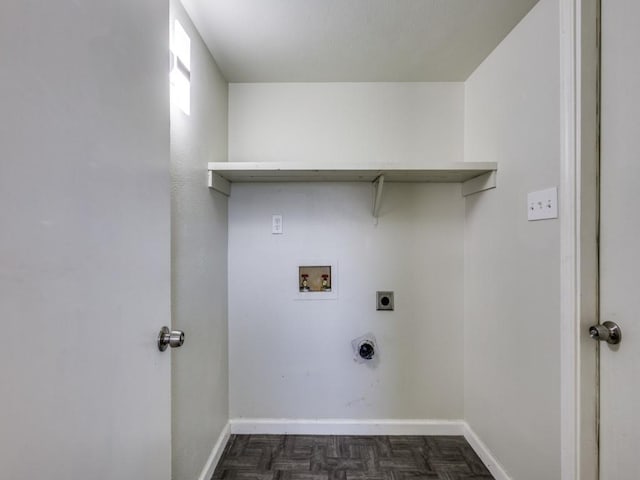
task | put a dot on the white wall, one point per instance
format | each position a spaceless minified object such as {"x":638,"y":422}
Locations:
{"x":293,"y":358}
{"x":412,"y":123}
{"x":84,"y":240}
{"x":199,"y":264}
{"x":512,"y":313}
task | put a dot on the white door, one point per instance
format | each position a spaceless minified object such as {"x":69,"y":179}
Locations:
{"x":620,"y":240}
{"x":84,"y":240}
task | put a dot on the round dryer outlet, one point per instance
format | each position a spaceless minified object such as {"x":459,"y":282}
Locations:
{"x":384,"y":300}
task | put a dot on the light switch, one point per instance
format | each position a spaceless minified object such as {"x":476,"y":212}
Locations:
{"x":542,"y":204}
{"x":276,"y":224}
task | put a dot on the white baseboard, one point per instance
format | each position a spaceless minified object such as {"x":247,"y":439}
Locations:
{"x":280,"y":426}
{"x":216,"y":453}
{"x":485,"y":454}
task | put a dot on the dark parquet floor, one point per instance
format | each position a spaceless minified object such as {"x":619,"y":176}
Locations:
{"x":333,"y":457}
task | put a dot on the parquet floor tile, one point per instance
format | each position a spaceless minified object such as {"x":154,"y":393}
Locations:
{"x":349,"y":457}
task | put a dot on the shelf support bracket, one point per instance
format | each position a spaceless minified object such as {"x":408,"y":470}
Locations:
{"x":219,"y":184}
{"x":379,"y":183}
{"x":481,"y":183}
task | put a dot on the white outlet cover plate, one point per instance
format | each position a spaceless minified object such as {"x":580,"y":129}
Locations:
{"x":276,"y":224}
{"x":543,"y":204}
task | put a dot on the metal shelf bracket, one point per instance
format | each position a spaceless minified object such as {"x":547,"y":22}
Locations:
{"x":379,"y":183}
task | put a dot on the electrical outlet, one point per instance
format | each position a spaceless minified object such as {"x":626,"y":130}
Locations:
{"x":276,"y":224}
{"x":384,"y":300}
{"x":542,"y":204}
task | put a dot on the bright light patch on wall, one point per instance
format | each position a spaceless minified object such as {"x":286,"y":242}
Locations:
{"x":180,"y":73}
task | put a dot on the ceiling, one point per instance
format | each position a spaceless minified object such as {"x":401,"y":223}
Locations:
{"x":353,"y":40}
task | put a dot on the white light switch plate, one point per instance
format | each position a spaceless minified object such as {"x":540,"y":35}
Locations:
{"x":276,"y":224}
{"x":542,"y":204}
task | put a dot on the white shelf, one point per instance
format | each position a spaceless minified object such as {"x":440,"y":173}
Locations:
{"x":299,"y":172}
{"x":475,"y":177}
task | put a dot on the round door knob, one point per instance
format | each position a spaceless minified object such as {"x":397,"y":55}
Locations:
{"x":606,"y":332}
{"x":170,"y":338}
